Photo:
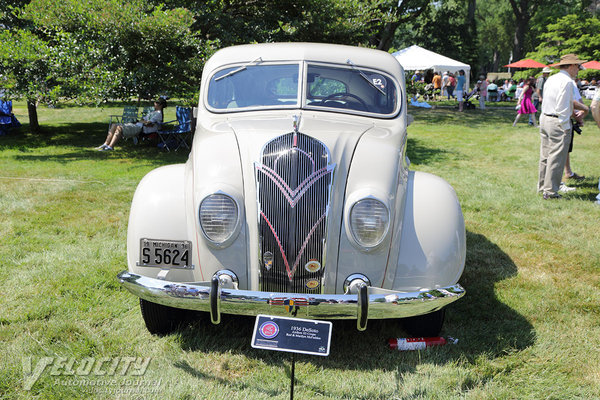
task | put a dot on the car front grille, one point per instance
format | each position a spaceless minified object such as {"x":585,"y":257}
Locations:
{"x":294,"y":180}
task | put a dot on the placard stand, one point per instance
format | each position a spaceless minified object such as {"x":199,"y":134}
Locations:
{"x":293,"y":372}
{"x":293,"y":335}
{"x":293,"y":376}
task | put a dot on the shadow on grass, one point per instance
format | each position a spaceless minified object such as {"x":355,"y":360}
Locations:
{"x":483,"y":324}
{"x":421,"y":155}
{"x":470,"y":118}
{"x":79,"y":140}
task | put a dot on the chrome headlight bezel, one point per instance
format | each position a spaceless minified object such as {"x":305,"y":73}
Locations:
{"x":355,"y":236}
{"x":233,"y":227}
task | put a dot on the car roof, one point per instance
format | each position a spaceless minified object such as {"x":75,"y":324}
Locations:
{"x":316,"y":52}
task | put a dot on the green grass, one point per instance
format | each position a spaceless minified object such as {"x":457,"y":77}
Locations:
{"x":528,"y":328}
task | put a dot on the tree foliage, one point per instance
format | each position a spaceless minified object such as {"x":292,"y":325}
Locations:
{"x":98,"y":49}
{"x":144,"y":50}
{"x":570,"y":34}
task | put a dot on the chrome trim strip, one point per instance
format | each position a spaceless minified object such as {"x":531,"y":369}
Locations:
{"x":381,"y":304}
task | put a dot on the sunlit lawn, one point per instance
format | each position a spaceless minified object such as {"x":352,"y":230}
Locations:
{"x":528,"y":328}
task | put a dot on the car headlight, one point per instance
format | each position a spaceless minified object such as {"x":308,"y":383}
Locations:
{"x":369,"y":221}
{"x":218,"y":217}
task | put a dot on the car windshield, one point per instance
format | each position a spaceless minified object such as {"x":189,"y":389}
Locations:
{"x":350,"y":88}
{"x":253,"y":86}
{"x":344,"y":88}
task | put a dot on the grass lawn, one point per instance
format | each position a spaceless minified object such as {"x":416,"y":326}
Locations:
{"x":528,"y":328}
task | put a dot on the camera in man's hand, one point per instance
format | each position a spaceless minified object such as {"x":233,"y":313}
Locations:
{"x":576,"y":127}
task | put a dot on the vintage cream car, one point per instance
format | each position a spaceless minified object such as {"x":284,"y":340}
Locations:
{"x":297,"y":199}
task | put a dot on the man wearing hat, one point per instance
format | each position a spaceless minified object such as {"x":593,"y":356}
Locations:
{"x":537,"y":95}
{"x":555,"y":125}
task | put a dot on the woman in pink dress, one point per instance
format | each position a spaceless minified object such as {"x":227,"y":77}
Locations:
{"x":525,"y":105}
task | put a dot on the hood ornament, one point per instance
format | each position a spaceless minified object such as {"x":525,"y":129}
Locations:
{"x":296,"y":122}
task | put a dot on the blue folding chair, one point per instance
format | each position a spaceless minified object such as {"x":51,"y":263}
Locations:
{"x":178,"y":135}
{"x":7,"y":118}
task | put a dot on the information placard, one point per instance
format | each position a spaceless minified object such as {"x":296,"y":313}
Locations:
{"x":293,"y":335}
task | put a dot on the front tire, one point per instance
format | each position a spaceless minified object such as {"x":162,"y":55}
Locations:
{"x":427,"y":325}
{"x":159,"y":319}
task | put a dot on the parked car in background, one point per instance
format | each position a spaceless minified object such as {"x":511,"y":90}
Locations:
{"x":297,"y":199}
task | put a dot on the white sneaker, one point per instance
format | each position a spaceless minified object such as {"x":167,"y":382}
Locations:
{"x":565,"y":189}
{"x":101,"y":147}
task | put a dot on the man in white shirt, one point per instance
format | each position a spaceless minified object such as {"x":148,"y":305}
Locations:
{"x":555,"y":125}
{"x":595,"y":107}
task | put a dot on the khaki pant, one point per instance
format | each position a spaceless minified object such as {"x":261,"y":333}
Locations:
{"x":554,"y":148}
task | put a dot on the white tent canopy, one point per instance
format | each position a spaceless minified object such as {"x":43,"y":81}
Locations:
{"x":417,"y":58}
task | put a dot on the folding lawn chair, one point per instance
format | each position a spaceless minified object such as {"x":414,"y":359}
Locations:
{"x":7,"y":118}
{"x":130,"y":114}
{"x":180,"y":133}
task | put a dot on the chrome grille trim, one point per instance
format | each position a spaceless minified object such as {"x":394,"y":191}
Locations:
{"x":294,"y":180}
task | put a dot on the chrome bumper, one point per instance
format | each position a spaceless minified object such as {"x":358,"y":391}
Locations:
{"x":368,"y":303}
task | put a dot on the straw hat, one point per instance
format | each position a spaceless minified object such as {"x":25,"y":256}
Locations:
{"x":547,"y":70}
{"x":570,"y":59}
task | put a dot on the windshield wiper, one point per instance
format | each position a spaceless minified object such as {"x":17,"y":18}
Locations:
{"x":235,"y":71}
{"x":365,"y":77}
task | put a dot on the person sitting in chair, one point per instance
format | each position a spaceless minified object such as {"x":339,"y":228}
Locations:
{"x":149,"y":124}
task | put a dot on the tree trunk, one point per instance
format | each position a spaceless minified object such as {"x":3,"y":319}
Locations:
{"x":34,"y":125}
{"x":387,"y":36}
{"x":495,"y":60}
{"x":519,"y":39}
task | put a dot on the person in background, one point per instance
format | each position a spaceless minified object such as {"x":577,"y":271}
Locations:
{"x":595,"y":107}
{"x":483,"y":92}
{"x":555,"y":125}
{"x":492,"y":92}
{"x":526,"y":106}
{"x":149,"y":124}
{"x":538,"y":94}
{"x":581,"y":111}
{"x":417,"y":77}
{"x":445,"y":83}
{"x":512,"y":90}
{"x":451,"y":86}
{"x":460,"y":88}
{"x":437,"y":85}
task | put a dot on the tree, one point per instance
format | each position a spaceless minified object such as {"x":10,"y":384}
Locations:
{"x":495,"y":29}
{"x":570,"y":34}
{"x":149,"y":48}
{"x":99,"y":49}
{"x":387,"y":18}
{"x":232,"y":22}
{"x":27,"y":66}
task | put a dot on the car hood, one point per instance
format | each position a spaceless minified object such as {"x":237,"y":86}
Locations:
{"x":339,"y":135}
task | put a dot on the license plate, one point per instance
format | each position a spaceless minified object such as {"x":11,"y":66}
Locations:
{"x":166,"y":253}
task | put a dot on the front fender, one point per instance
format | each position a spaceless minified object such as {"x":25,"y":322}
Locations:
{"x":158,"y":212}
{"x":433,"y":243}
